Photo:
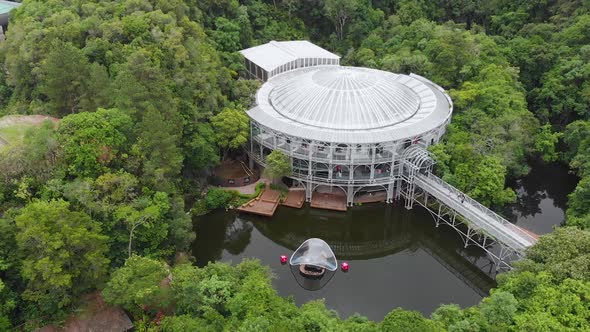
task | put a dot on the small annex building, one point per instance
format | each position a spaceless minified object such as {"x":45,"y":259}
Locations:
{"x":268,"y":60}
{"x":5,"y":8}
{"x":344,"y":128}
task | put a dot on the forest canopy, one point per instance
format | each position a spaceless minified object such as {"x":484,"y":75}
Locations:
{"x":150,"y":94}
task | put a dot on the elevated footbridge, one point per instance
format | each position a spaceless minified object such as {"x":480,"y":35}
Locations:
{"x":477,"y":225}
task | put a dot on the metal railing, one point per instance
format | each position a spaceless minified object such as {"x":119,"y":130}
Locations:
{"x":295,"y":150}
{"x":480,"y":209}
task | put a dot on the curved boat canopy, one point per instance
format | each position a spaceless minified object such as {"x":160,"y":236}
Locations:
{"x":315,"y":252}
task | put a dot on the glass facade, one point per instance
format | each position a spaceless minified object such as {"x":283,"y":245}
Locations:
{"x":257,"y":72}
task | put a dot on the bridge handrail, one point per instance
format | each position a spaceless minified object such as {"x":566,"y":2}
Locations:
{"x":480,"y":207}
{"x":246,"y":169}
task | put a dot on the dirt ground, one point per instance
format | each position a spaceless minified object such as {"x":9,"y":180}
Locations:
{"x":11,"y":120}
{"x":230,"y":169}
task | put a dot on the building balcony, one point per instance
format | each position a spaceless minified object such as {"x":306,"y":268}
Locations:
{"x":337,"y":156}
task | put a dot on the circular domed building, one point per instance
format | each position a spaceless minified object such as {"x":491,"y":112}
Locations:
{"x":344,"y":128}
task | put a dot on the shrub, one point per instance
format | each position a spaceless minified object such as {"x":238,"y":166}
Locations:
{"x":217,"y":198}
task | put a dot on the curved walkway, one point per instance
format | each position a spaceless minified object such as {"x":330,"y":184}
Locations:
{"x":249,"y":189}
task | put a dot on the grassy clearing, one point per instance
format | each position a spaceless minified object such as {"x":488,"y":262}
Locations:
{"x":13,"y":134}
{"x":14,"y":127}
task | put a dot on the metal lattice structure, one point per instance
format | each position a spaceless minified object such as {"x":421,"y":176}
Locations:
{"x":477,"y":225}
{"x":362,"y":130}
{"x":342,"y":127}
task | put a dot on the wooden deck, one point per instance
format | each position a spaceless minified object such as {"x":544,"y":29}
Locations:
{"x":295,"y":198}
{"x":265,"y":205}
{"x":328,"y":201}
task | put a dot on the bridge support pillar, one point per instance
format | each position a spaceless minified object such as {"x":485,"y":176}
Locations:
{"x":308,"y":190}
{"x":410,"y":194}
{"x":390,"y":192}
{"x":350,"y":195}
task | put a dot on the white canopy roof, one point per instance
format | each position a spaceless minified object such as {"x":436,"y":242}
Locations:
{"x":274,"y":54}
{"x":345,"y":98}
{"x":350,"y":105}
{"x":315,"y":252}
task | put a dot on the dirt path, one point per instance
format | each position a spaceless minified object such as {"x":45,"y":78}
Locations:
{"x":249,"y":189}
{"x":11,"y":120}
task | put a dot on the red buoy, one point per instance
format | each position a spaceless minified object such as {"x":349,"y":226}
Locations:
{"x":283,"y":259}
{"x":344,"y":266}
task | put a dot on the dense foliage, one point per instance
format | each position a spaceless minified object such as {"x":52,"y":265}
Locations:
{"x":548,"y":292}
{"x":150,"y":96}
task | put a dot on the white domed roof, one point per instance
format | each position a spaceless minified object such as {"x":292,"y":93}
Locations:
{"x":345,"y":98}
{"x":350,"y":105}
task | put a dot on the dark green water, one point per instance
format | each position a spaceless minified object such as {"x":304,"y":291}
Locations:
{"x":397,"y":257}
{"x":542,"y":197}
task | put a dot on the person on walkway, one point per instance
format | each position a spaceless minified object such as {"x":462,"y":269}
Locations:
{"x":462,"y":196}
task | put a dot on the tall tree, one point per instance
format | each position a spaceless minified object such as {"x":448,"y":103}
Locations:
{"x":94,"y":141}
{"x":137,"y":284}
{"x":66,"y":77}
{"x":158,"y":141}
{"x":231,"y":129}
{"x":145,"y":214}
{"x":340,"y":12}
{"x":64,"y":255}
{"x":278,"y":165}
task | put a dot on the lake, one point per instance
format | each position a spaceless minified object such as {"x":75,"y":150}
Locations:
{"x":397,"y":257}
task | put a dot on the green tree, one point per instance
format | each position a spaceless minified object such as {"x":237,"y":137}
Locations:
{"x":256,"y":298}
{"x":448,"y":315}
{"x":181,"y":234}
{"x":577,"y":138}
{"x":499,"y":309}
{"x":484,"y":181}
{"x":402,"y":321}
{"x":202,"y":148}
{"x":137,"y":284}
{"x":562,"y":304}
{"x":184,"y":323}
{"x":161,"y":155}
{"x":7,"y":305}
{"x":63,"y":256}
{"x":92,"y":142}
{"x":66,"y":74}
{"x":315,"y":316}
{"x":227,"y":35}
{"x":217,"y":198}
{"x":146,"y":214}
{"x":10,"y":281}
{"x":577,"y":212}
{"x":409,"y":11}
{"x":340,"y":12}
{"x":278,"y":165}
{"x":185,"y":290}
{"x":545,"y":143}
{"x":565,"y":253}
{"x":231,"y":128}
{"x":359,"y":323}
